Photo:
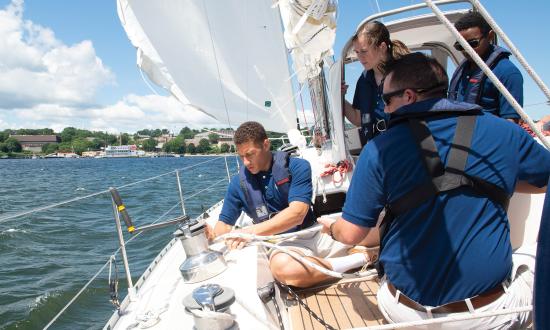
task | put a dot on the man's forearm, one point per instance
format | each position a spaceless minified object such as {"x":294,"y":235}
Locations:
{"x":287,"y":219}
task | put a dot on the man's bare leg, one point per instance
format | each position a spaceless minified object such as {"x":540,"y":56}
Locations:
{"x":290,"y":271}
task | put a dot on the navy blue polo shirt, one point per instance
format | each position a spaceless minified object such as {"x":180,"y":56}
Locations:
{"x":455,"y":245}
{"x":300,"y":190}
{"x":368,"y":101}
{"x":492,"y":100}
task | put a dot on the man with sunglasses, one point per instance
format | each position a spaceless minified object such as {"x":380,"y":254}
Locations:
{"x":443,"y":172}
{"x":470,"y":84}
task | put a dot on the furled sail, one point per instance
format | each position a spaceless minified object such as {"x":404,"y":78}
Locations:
{"x":225,"y":58}
{"x":310,"y":31}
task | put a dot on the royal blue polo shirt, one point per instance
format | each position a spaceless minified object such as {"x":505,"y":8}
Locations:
{"x":457,"y":244}
{"x":492,"y":100}
{"x":300,"y":190}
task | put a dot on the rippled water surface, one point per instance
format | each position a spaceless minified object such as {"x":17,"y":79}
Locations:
{"x":46,"y":257}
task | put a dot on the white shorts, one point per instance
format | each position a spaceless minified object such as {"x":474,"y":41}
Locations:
{"x":518,"y":293}
{"x":317,"y":244}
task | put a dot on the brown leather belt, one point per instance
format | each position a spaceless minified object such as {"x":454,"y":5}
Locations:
{"x":454,"y":307}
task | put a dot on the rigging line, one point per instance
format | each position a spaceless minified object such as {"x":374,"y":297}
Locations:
{"x":302,"y":102}
{"x":147,"y":82}
{"x":141,"y":232}
{"x":217,"y":63}
{"x":377,"y":6}
{"x":77,"y":294}
{"x":170,"y":210}
{"x":38,"y":209}
{"x":534,"y":104}
{"x":43,"y":208}
{"x":158,"y":176}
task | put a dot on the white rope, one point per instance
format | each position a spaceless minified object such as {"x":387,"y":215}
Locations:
{"x":78,"y":294}
{"x":449,"y":319}
{"x":261,"y":240}
{"x":270,"y":237}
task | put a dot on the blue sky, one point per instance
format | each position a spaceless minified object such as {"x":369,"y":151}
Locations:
{"x":69,"y":63}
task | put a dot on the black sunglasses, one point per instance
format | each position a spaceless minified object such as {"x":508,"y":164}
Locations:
{"x":386,"y":97}
{"x":474,"y":43}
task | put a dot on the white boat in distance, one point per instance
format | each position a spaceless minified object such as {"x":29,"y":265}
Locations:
{"x":245,"y":66}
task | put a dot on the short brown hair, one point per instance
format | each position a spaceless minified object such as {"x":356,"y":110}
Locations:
{"x":250,"y":131}
{"x":417,"y":70}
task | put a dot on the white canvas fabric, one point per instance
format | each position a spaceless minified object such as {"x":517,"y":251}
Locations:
{"x":225,"y":58}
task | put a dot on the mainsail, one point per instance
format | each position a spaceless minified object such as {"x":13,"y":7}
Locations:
{"x":225,"y":58}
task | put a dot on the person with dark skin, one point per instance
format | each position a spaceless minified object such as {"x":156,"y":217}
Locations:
{"x":469,"y":83}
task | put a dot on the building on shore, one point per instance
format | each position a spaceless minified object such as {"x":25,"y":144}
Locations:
{"x":35,"y":143}
{"x":224,"y":136}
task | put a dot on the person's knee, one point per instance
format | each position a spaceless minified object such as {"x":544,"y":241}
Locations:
{"x":285,"y":269}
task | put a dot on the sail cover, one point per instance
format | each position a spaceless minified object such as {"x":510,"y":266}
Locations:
{"x":225,"y":58}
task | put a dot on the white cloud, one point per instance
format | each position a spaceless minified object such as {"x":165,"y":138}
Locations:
{"x":36,"y":68}
{"x":129,"y":115}
{"x":46,"y":83}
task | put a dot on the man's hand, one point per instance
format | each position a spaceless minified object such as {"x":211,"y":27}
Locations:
{"x":238,"y":243}
{"x":209,"y":232}
{"x":326,"y":222}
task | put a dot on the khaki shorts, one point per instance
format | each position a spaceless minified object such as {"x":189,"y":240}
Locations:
{"x":316,"y":244}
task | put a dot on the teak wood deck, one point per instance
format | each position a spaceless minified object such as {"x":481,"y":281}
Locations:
{"x":344,"y":304}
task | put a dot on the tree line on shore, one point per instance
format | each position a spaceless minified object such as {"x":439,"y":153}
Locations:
{"x":80,"y":140}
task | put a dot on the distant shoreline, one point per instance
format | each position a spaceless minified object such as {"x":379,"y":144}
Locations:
{"x":180,"y":156}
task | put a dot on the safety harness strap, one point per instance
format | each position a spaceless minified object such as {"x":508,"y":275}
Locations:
{"x":442,"y":179}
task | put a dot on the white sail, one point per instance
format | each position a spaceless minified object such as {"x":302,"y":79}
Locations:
{"x":310,"y":31}
{"x":226,"y":58}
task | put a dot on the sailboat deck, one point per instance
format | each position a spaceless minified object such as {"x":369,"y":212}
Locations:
{"x":345,"y":304}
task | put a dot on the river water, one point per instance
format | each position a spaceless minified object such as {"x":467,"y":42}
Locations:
{"x":46,"y":257}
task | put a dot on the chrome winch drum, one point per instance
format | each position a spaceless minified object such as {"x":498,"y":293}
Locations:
{"x":204,"y":299}
{"x":201,"y":263}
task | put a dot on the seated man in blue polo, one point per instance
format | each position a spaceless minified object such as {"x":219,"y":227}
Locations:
{"x":275,"y":190}
{"x":444,"y":172}
{"x":470,"y":84}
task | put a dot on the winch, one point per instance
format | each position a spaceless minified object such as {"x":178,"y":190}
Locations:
{"x":201,"y":263}
{"x":210,"y":306}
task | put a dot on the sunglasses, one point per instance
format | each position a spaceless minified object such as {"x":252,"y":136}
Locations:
{"x":386,"y":97}
{"x":474,"y":43}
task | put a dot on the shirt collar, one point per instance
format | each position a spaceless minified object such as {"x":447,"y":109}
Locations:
{"x":434,"y":105}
